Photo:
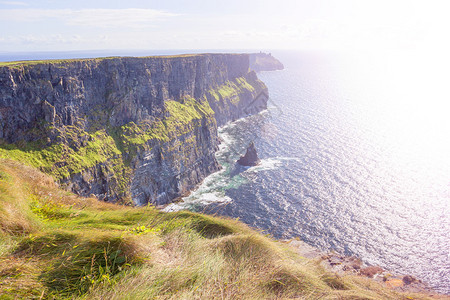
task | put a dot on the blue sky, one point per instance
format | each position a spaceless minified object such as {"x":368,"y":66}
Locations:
{"x":50,"y":25}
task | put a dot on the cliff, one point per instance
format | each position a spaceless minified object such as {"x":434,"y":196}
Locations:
{"x":124,"y":128}
{"x":264,"y":62}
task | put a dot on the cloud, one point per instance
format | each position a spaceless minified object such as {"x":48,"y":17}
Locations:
{"x":17,"y":3}
{"x":104,"y":18}
{"x":44,"y":39}
{"x":50,"y":41}
{"x":132,"y":17}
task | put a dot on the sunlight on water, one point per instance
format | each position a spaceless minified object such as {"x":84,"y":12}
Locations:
{"x":407,"y":114}
{"x":411,"y":104}
{"x":355,"y":158}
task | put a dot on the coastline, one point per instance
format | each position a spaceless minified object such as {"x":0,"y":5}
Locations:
{"x":343,"y":266}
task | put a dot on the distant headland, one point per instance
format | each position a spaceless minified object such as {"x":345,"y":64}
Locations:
{"x":264,"y":62}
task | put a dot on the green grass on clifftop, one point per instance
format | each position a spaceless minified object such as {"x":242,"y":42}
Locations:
{"x":55,"y":245}
{"x":19,"y":64}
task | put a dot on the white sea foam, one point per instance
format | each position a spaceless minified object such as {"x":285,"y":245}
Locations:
{"x":208,"y":192}
{"x":226,"y":140}
{"x":173,"y":207}
{"x":211,"y":189}
{"x":198,"y":199}
{"x":271,"y":163}
{"x":266,"y":164}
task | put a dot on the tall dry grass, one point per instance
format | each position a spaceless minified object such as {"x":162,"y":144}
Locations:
{"x":55,"y":245}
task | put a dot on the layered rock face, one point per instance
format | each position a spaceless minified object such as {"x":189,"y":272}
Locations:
{"x":124,"y":128}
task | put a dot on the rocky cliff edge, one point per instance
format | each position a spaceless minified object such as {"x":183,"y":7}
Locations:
{"x":122,"y":129}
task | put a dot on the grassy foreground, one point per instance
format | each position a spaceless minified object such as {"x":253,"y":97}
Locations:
{"x":55,"y":245}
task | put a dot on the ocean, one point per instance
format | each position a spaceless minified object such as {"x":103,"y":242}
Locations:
{"x":354,"y":156}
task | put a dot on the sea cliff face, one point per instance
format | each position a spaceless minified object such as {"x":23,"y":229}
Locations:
{"x":124,"y":128}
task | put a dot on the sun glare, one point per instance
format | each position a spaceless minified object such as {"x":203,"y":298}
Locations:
{"x":410,"y":106}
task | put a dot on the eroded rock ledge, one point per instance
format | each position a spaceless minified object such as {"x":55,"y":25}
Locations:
{"x":124,"y":128}
{"x":350,"y":265}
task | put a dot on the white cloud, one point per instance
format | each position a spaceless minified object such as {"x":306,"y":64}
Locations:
{"x":132,"y":17}
{"x":105,"y":18}
{"x":17,"y":3}
{"x":45,"y":39}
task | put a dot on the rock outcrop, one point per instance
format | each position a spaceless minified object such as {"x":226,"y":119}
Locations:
{"x":264,"y":62}
{"x":124,"y":128}
{"x":250,"y":158}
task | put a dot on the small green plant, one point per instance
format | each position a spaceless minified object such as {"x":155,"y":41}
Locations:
{"x":139,"y":230}
{"x":46,"y":210}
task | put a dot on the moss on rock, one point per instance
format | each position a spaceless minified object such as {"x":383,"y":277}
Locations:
{"x":75,"y":150}
{"x":231,"y":90}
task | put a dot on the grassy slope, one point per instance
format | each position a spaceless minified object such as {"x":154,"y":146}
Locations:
{"x":54,"y":244}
